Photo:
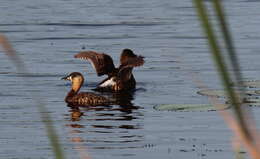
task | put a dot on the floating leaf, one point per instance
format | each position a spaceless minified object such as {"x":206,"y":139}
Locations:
{"x":212,"y":93}
{"x":253,"y":104}
{"x":190,"y":107}
{"x":252,"y":100}
{"x":221,"y":93}
{"x":257,"y":92}
{"x":252,"y":84}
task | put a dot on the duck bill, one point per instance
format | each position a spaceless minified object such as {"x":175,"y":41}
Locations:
{"x":65,"y":78}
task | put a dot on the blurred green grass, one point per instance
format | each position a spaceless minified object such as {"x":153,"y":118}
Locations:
{"x":235,"y":94}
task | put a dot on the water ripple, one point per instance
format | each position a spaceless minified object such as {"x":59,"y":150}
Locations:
{"x":97,"y":24}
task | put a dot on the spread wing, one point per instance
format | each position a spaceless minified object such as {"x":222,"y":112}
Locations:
{"x":126,"y":67}
{"x":102,"y":63}
{"x":133,"y":61}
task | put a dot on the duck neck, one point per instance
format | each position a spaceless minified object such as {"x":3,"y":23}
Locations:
{"x":76,"y":85}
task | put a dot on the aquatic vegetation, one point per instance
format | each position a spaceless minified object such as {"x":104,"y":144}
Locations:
{"x":190,"y":107}
{"x":158,"y":44}
{"x":46,"y":119}
{"x":221,"y":93}
{"x":240,"y":122}
{"x":251,"y":84}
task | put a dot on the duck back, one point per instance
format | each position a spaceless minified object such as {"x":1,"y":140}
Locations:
{"x":88,"y":99}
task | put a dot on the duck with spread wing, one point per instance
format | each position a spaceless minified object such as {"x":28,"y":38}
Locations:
{"x":119,"y":79}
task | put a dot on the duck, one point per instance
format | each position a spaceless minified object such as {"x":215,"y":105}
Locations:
{"x":76,"y":98}
{"x":119,"y":79}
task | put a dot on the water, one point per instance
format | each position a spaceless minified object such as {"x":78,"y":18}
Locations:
{"x":47,"y":34}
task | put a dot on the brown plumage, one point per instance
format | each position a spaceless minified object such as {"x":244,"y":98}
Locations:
{"x":119,"y":79}
{"x":74,"y":98}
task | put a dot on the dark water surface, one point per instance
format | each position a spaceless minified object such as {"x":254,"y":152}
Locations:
{"x":47,"y":34}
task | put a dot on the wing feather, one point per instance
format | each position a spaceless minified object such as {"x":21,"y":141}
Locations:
{"x":126,"y":67}
{"x":133,"y":61}
{"x":102,"y":63}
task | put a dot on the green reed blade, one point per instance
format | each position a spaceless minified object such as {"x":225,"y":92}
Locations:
{"x":52,"y":135}
{"x":220,"y":63}
{"x":233,"y":60}
{"x":228,"y":40}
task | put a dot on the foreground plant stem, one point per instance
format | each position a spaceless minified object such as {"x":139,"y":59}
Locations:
{"x":235,"y":100}
{"x":45,"y":117}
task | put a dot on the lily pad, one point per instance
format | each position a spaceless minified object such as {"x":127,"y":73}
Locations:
{"x":190,"y":107}
{"x":252,"y":84}
{"x":212,"y":93}
{"x":253,"y":104}
{"x":221,"y":93}
{"x":252,"y":100}
{"x":257,"y":92}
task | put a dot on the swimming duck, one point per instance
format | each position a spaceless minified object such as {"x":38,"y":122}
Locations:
{"x":74,"y":98}
{"x":119,"y":79}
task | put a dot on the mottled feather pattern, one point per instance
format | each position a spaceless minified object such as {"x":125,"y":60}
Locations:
{"x":76,"y":98}
{"x":87,"y":98}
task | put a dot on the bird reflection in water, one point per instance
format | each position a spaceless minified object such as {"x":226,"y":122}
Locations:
{"x":109,"y":127}
{"x":75,"y":114}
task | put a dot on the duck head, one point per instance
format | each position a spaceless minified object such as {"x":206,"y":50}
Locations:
{"x":76,"y":79}
{"x":126,"y":54}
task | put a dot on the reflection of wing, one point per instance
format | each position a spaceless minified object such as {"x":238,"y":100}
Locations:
{"x":102,"y":63}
